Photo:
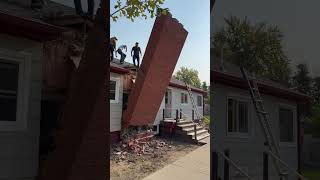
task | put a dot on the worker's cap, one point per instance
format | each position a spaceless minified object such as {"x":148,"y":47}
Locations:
{"x":114,"y":38}
{"x":137,"y":43}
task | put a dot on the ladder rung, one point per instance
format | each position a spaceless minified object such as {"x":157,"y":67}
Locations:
{"x":263,"y":112}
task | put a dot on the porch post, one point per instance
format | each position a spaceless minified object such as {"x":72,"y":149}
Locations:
{"x":180,"y":113}
{"x":163,"y":115}
{"x":192,"y":114}
{"x":177,"y":114}
{"x":226,"y":165}
{"x":265,"y":166}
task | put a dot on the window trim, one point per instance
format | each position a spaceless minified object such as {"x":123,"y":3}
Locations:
{"x":117,"y":90}
{"x":201,"y":101}
{"x":241,"y":135}
{"x":24,"y":61}
{"x":185,"y":95}
{"x":294,"y":111}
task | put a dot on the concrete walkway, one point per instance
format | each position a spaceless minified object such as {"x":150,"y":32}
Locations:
{"x":193,"y":166}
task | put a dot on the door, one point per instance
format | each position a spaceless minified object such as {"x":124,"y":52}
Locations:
{"x":168,"y":103}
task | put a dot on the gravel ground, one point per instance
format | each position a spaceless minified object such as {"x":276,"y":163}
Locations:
{"x":134,"y":166}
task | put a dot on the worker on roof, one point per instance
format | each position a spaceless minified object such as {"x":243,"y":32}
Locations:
{"x":79,"y":10}
{"x":122,"y":55}
{"x":113,"y":45}
{"x":136,"y":54}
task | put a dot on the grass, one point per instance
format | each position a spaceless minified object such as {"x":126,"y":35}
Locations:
{"x":207,"y":120}
{"x":312,"y":174}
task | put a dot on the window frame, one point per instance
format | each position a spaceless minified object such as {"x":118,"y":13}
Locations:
{"x":201,"y":104}
{"x":117,"y":90}
{"x":239,"y":134}
{"x":294,"y":119}
{"x":23,"y":91}
{"x":185,"y":98}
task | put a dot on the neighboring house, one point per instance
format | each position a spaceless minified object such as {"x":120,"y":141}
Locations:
{"x":28,"y":104}
{"x":293,"y":17}
{"x":175,"y":98}
{"x":236,"y":127}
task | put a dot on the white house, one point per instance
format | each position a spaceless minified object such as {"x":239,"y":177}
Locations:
{"x":175,"y":98}
{"x":236,"y":127}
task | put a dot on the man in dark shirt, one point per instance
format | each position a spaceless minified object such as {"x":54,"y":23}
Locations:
{"x":136,"y":54}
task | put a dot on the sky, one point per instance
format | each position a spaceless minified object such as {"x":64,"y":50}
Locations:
{"x":194,"y":16}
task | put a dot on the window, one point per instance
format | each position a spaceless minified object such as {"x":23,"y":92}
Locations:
{"x":15,"y":71}
{"x":238,"y":116}
{"x":199,"y":101}
{"x":114,"y":90}
{"x":184,"y":98}
{"x":9,"y":78}
{"x":286,"y":125}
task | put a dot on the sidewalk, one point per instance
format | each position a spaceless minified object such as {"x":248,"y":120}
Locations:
{"x":193,"y":166}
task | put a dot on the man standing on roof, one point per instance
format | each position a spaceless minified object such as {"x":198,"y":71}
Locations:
{"x":113,"y":44}
{"x":122,"y":55}
{"x":136,"y":56}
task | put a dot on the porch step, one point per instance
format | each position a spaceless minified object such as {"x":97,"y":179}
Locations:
{"x":199,"y":132}
{"x":182,"y":122}
{"x":201,"y":137}
{"x":191,"y":129}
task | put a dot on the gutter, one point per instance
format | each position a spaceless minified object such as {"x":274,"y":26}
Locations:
{"x":28,"y":28}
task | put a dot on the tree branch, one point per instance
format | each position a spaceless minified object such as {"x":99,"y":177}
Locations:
{"x":118,"y":10}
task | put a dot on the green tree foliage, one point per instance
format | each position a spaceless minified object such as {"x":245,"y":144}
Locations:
{"x":204,"y":86}
{"x":301,"y":81}
{"x":257,"y":47}
{"x":316,"y":90}
{"x":190,"y":76}
{"x":132,"y":9}
{"x":313,"y":122}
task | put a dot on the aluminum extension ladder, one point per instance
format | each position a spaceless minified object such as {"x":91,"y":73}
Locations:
{"x":192,"y":101}
{"x":264,"y":122}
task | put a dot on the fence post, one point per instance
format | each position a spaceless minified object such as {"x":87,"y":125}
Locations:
{"x":226,"y":165}
{"x":192,"y":114}
{"x":265,"y":166}
{"x":163,"y":113}
{"x":214,"y":165}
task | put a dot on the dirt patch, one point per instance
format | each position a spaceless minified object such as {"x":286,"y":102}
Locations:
{"x":135,"y":166}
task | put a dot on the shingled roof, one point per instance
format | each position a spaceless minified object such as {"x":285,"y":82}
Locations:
{"x":115,"y":65}
{"x":230,"y":74}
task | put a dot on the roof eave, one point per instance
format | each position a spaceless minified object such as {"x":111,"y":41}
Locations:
{"x":28,"y":28}
{"x":234,"y":81}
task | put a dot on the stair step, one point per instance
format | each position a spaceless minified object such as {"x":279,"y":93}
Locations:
{"x":181,"y":122}
{"x":199,"y":132}
{"x":188,"y":129}
{"x":202,"y":136}
{"x":186,"y":125}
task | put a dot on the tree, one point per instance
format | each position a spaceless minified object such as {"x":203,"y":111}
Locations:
{"x":204,"y":86}
{"x":301,"y":81}
{"x":132,"y":9}
{"x":257,"y":47}
{"x":190,"y":76}
{"x":313,"y":122}
{"x":316,"y":90}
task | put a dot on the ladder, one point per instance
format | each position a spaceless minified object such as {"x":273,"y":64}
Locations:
{"x":264,"y":122}
{"x":192,"y":101}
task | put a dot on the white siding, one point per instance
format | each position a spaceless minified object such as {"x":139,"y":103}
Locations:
{"x":176,"y":104}
{"x":247,"y":151}
{"x":19,"y":152}
{"x":116,"y":108}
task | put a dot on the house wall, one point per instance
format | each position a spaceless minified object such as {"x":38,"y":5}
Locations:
{"x":116,"y":107}
{"x":247,"y":151}
{"x":176,"y":104}
{"x":20,"y":144}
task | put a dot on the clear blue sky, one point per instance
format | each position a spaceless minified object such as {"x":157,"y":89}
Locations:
{"x":193,"y":14}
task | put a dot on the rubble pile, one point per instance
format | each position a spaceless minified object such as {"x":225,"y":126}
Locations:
{"x":145,"y":145}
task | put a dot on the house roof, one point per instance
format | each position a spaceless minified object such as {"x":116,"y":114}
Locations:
{"x":116,"y":67}
{"x":231,"y":75}
{"x":26,"y":22}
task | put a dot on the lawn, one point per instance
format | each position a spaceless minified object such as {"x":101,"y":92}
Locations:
{"x":312,"y":174}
